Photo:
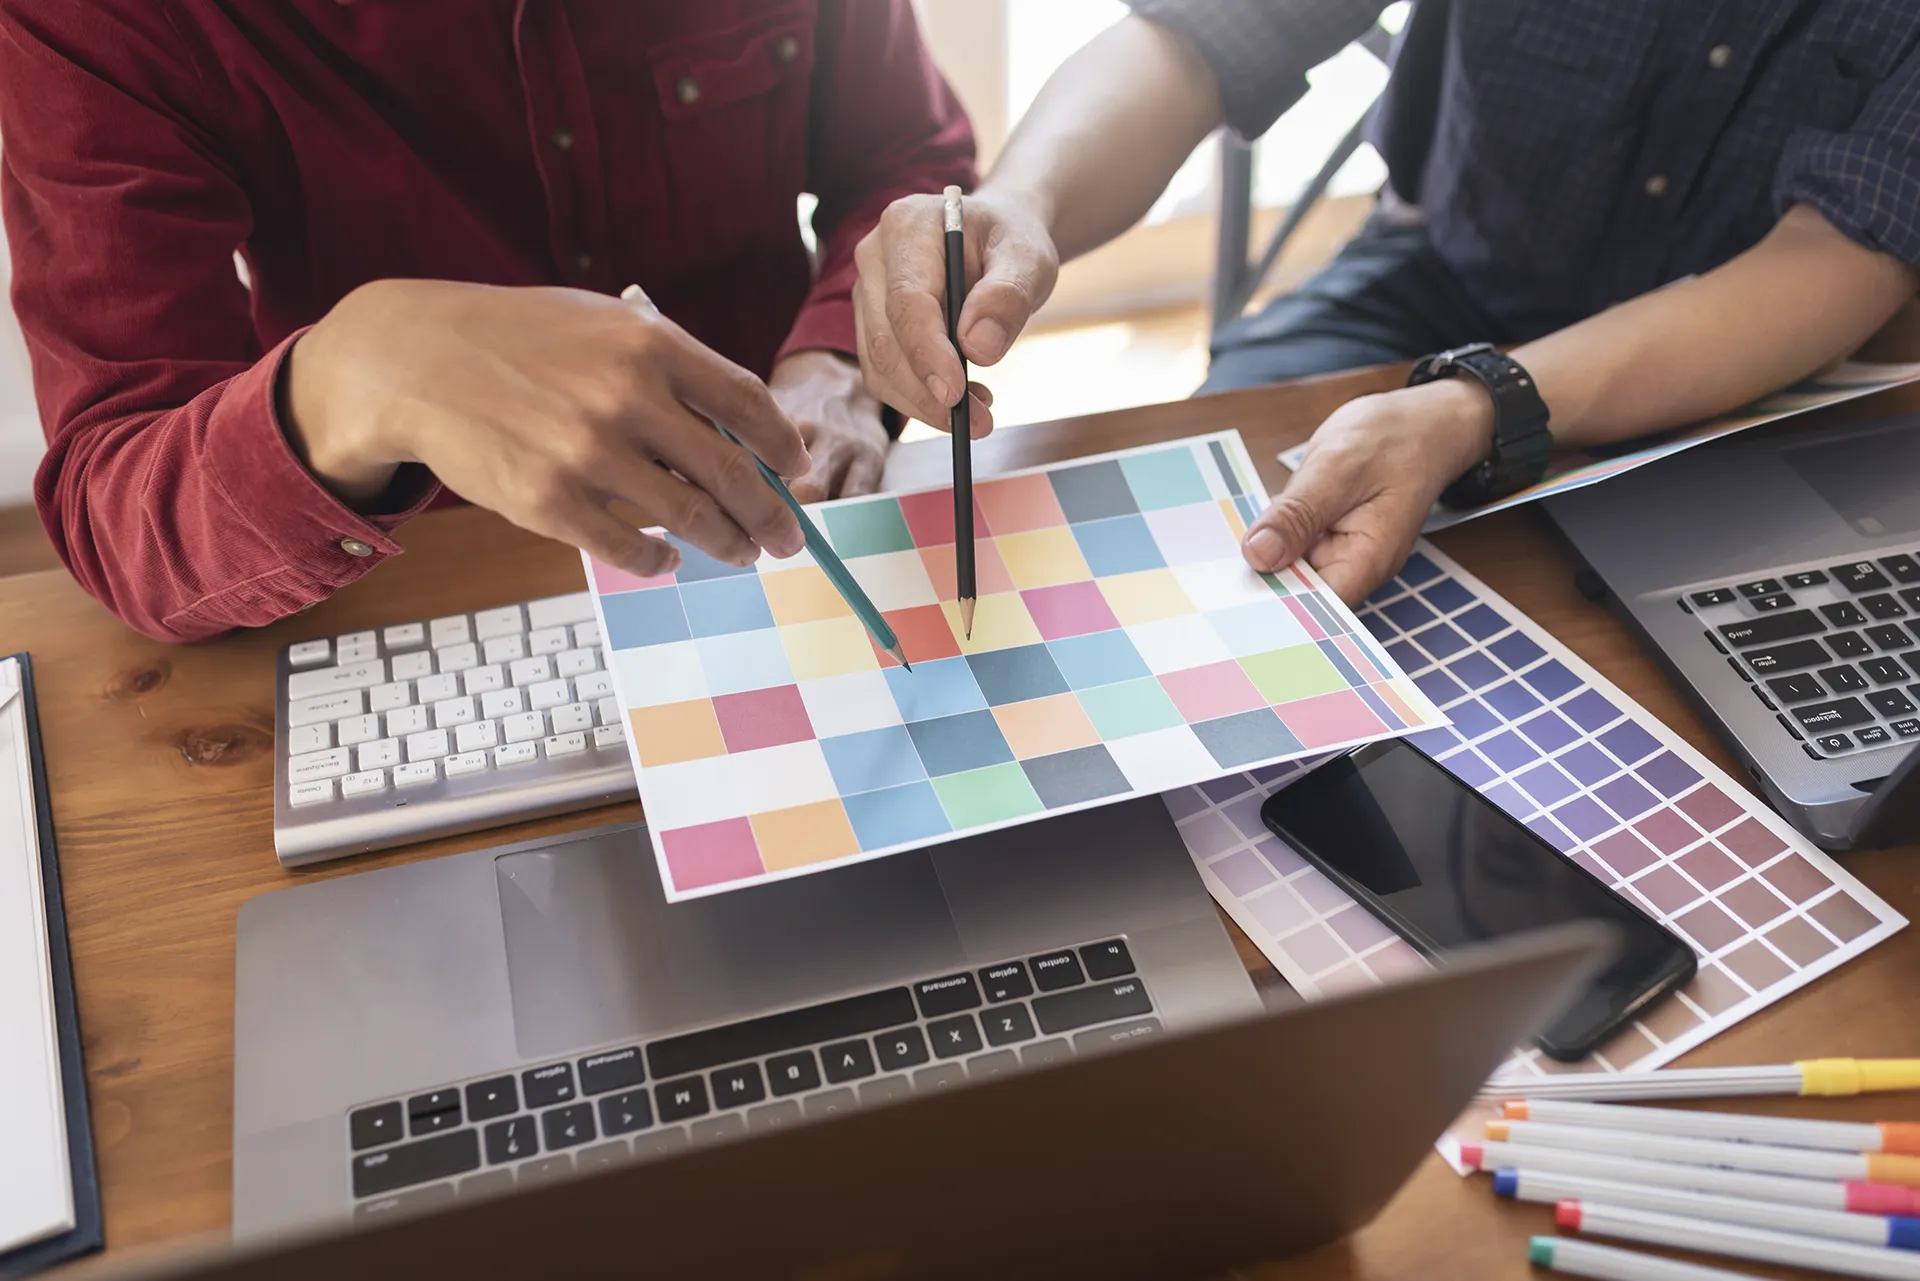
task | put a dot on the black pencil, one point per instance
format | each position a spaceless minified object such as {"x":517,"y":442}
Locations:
{"x":962,"y":424}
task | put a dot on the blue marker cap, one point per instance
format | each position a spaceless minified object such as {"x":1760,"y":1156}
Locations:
{"x":1903,"y":1232}
{"x":1506,"y":1182}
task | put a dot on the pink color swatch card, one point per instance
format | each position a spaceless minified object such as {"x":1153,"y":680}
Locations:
{"x":1121,"y":646}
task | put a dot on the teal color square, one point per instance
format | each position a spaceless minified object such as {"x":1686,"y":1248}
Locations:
{"x":1168,"y":478}
{"x":867,"y":529}
{"x":1134,"y":707}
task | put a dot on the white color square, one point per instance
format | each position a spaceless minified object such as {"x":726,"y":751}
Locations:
{"x":801,"y":559}
{"x":659,"y":674}
{"x":849,"y":704}
{"x":740,"y":661}
{"x":1163,"y":759}
{"x":1193,"y":533}
{"x":1175,"y":644}
{"x":1223,"y":583}
{"x":1258,"y":627}
{"x":894,"y":580}
{"x":690,"y":793}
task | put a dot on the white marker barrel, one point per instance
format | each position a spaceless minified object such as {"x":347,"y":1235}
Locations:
{"x":1606,"y":1263}
{"x":1549,"y":1188}
{"x":1737,"y":1241}
{"x":1805,"y":1162}
{"x":1733,"y":1127}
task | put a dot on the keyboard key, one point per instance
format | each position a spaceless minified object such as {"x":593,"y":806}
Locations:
{"x":793,"y":1073}
{"x":453,"y":711}
{"x":313,"y":792}
{"x":331,"y":763}
{"x":355,"y":638}
{"x":1758,"y":587}
{"x":460,"y":764}
{"x":1883,"y":607}
{"x":504,"y":649}
{"x":365,"y":783}
{"x":440,"y":1157}
{"x":477,"y":737}
{"x":458,"y":658}
{"x":884,"y":1090}
{"x":610,"y":711}
{"x":575,"y":662}
{"x":1834,"y":742}
{"x":496,"y":1096}
{"x":1779,"y":658}
{"x":1108,"y":960}
{"x":1104,"y":1038}
{"x":381,"y":753}
{"x":387,"y":698}
{"x":1848,"y":645}
{"x":774,"y":1116}
{"x":548,"y":694}
{"x":570,"y":718}
{"x":1007,"y":982}
{"x":847,"y":1061}
{"x":1045,"y":1052}
{"x":660,"y":1142}
{"x":1771,"y":629}
{"x":548,"y":640}
{"x":604,"y":1156}
{"x":502,"y":702}
{"x":1890,"y":702}
{"x":1798,"y":688}
{"x":325,"y":707}
{"x":1008,"y":1025}
{"x":412,"y":666}
{"x":505,"y":621}
{"x":514,"y":754}
{"x":1890,"y":636}
{"x":609,"y":735}
{"x":1843,"y":680}
{"x":530,"y":671}
{"x":415,"y":773}
{"x":484,"y":680}
{"x":545,"y":1170}
{"x":1101,"y":1003}
{"x":904,"y":1048}
{"x":434,"y":689}
{"x":1911,"y":595}
{"x":612,"y":1070}
{"x":625,"y":1112}
{"x":939,"y":1077}
{"x":1767,"y":604}
{"x":308,"y":653}
{"x":586,"y":634}
{"x":1907,"y":728}
{"x":1884,"y":671}
{"x":983,"y":1066}
{"x":575,"y":607}
{"x":1714,"y":596}
{"x":1805,"y":578}
{"x":1844,"y":614}
{"x":830,"y":1103}
{"x":738,"y":1086}
{"x":568,"y":1127}
{"x":428,"y":745}
{"x":1872,"y":736}
{"x":354,"y":730}
{"x":405,"y":635}
{"x":370,"y":1127}
{"x":1901,"y":569}
{"x":524,"y":727}
{"x":839,"y":1020}
{"x":356,"y":651}
{"x":1861,"y":576}
{"x":955,"y":1036}
{"x":451,"y":630}
{"x":565,"y":745}
{"x":714,"y":1129}
{"x":593,"y":686}
{"x":1843,"y":713}
{"x":1056,"y":970}
{"x":402,"y":721}
{"x":545,"y":1086}
{"x":679,"y":1100}
{"x":434,"y":1112}
{"x":947,"y":995}
{"x":332,"y":680}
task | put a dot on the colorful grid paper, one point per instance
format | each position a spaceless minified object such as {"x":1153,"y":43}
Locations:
{"x":1121,"y":645}
{"x":1556,"y":745}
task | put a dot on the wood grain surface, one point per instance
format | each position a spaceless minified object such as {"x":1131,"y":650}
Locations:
{"x":162,"y":773}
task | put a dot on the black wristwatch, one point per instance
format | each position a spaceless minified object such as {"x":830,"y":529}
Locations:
{"x":1521,"y":442}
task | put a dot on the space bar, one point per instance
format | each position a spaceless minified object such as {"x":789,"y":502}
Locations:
{"x":832,"y":1021}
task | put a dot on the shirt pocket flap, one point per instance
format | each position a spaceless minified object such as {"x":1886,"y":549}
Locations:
{"x":714,"y":70}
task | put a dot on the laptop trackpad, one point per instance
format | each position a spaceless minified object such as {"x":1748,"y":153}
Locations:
{"x":595,"y":953}
{"x":1867,"y":477}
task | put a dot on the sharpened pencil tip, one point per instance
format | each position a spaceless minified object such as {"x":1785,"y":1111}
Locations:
{"x":899,"y":655}
{"x":966,"y":615}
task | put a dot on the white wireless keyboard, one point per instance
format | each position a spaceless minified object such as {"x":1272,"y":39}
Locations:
{"x":444,"y":725}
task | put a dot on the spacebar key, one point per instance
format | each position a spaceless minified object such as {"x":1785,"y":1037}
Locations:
{"x":1085,"y":1006}
{"x":1774,"y":627}
{"x":436,"y":1158}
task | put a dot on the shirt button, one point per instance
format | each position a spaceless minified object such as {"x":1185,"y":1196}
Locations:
{"x":688,"y":90}
{"x":584,"y":262}
{"x":354,"y":547}
{"x":1719,"y":56}
{"x":788,"y":49}
{"x":1657,"y":185}
{"x":563,"y":139}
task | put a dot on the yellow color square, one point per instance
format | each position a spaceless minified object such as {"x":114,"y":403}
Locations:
{"x":1000,"y":621}
{"x":1043,"y":558}
{"x":1232,"y":513}
{"x":1043,"y":726}
{"x":831,"y":647}
{"x":1145,"y":597}
{"x":815,"y":833}
{"x":674,"y":732}
{"x":804,"y":595}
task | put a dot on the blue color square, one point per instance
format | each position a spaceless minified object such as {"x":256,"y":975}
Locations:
{"x":1441,"y":640}
{"x":1550,"y":731}
{"x":1470,"y":768}
{"x":1546,"y":784}
{"x":1448,"y":595}
{"x":1509,"y":798}
{"x":896,"y":816}
{"x":944,"y":687}
{"x":1248,"y":737}
{"x":697,"y":567}
{"x":1630,"y":742}
{"x":1016,"y":675}
{"x":1383,"y":593}
{"x":1382,"y":630}
{"x":1669,"y":774}
{"x":1407,"y":658}
{"x":1585,"y":819}
{"x":1552,"y":680}
{"x":1516,"y":651}
{"x":1071,"y":778}
{"x":1511,"y":700}
{"x":1476,"y":670}
{"x":1588,"y":764}
{"x":1550,"y":832}
{"x":1472,"y":719}
{"x":1482,"y":622}
{"x":1439,"y":687}
{"x":1408,"y":613}
{"x":1627,"y":797}
{"x":1509,"y":751}
{"x":956,"y":744}
{"x":1120,"y":545}
{"x":1168,"y":478}
{"x":1099,"y":658}
{"x":1435,"y":741}
{"x":723,"y":606}
{"x":1418,"y":570}
{"x":1590,"y":710}
{"x":872,"y":759}
{"x":637,"y":619}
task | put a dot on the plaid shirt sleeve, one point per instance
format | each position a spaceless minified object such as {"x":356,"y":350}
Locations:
{"x":1865,"y":181}
{"x":1261,"y":50}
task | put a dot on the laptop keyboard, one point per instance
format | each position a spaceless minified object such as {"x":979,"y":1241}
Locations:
{"x":631,"y":1101}
{"x":1832,"y":650}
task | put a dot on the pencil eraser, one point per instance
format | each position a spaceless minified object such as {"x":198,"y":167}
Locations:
{"x":1567,"y":1215}
{"x":1470,"y":1154}
{"x":1506,"y":1182}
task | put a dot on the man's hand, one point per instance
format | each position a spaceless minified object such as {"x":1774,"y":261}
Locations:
{"x":822,"y":393}
{"x":545,"y":405}
{"x":1371,"y":474}
{"x":899,"y":306}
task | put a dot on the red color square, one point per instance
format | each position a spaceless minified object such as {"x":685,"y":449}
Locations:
{"x":1752,"y":843}
{"x":924,"y":635}
{"x":608,"y":580}
{"x":1206,"y":693}
{"x":1326,"y":719}
{"x":762,"y":718}
{"x":711,"y":854}
{"x":1709,"y":865}
{"x":1667,"y":831}
{"x":1071,"y":609}
{"x":1625,"y":853}
{"x":990,"y":576}
{"x":1710,"y":807}
{"x":1018,"y":504}
{"x":930,"y":518}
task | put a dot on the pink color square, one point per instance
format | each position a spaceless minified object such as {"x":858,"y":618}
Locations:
{"x":1710,"y":866}
{"x":1752,"y":843}
{"x":1071,"y":609}
{"x":1207,"y":693}
{"x":762,"y":718}
{"x":1326,"y":719}
{"x":1018,"y":504}
{"x":711,"y":854}
{"x":929,"y":518}
{"x":1305,"y":619}
{"x":1710,"y":807}
{"x":1667,"y":831}
{"x":1625,"y":853}
{"x":609,"y":580}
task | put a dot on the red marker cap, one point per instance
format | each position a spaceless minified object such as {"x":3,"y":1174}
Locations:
{"x":1567,"y":1215}
{"x":1882,"y":1198}
{"x":1471,"y":1154}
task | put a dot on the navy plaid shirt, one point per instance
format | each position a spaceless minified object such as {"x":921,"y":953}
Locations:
{"x":1587,"y":151}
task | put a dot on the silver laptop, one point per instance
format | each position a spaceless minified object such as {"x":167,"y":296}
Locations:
{"x":1777,"y":574}
{"x":409,"y":1037}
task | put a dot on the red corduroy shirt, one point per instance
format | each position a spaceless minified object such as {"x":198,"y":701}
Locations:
{"x":592,"y":143}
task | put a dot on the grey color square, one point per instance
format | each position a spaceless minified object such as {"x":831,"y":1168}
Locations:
{"x":1094,"y":492}
{"x":1016,"y":675}
{"x":1068,"y":778}
{"x":1247,"y":737}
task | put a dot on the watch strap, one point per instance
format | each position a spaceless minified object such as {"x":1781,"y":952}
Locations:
{"x":1522,"y":443}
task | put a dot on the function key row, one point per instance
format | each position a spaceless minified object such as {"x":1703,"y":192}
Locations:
{"x":542,"y":618}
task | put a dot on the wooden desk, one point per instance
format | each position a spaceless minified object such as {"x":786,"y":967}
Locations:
{"x":161,"y":767}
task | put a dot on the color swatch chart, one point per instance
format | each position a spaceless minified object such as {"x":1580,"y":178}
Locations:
{"x":1556,"y":745}
{"x":1121,"y":645}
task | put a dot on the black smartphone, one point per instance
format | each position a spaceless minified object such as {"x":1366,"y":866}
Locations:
{"x":1446,"y":867}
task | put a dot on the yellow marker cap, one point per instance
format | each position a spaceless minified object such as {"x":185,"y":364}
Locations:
{"x":1497,"y":1130}
{"x":1855,"y":1076}
{"x":1903,"y":1170}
